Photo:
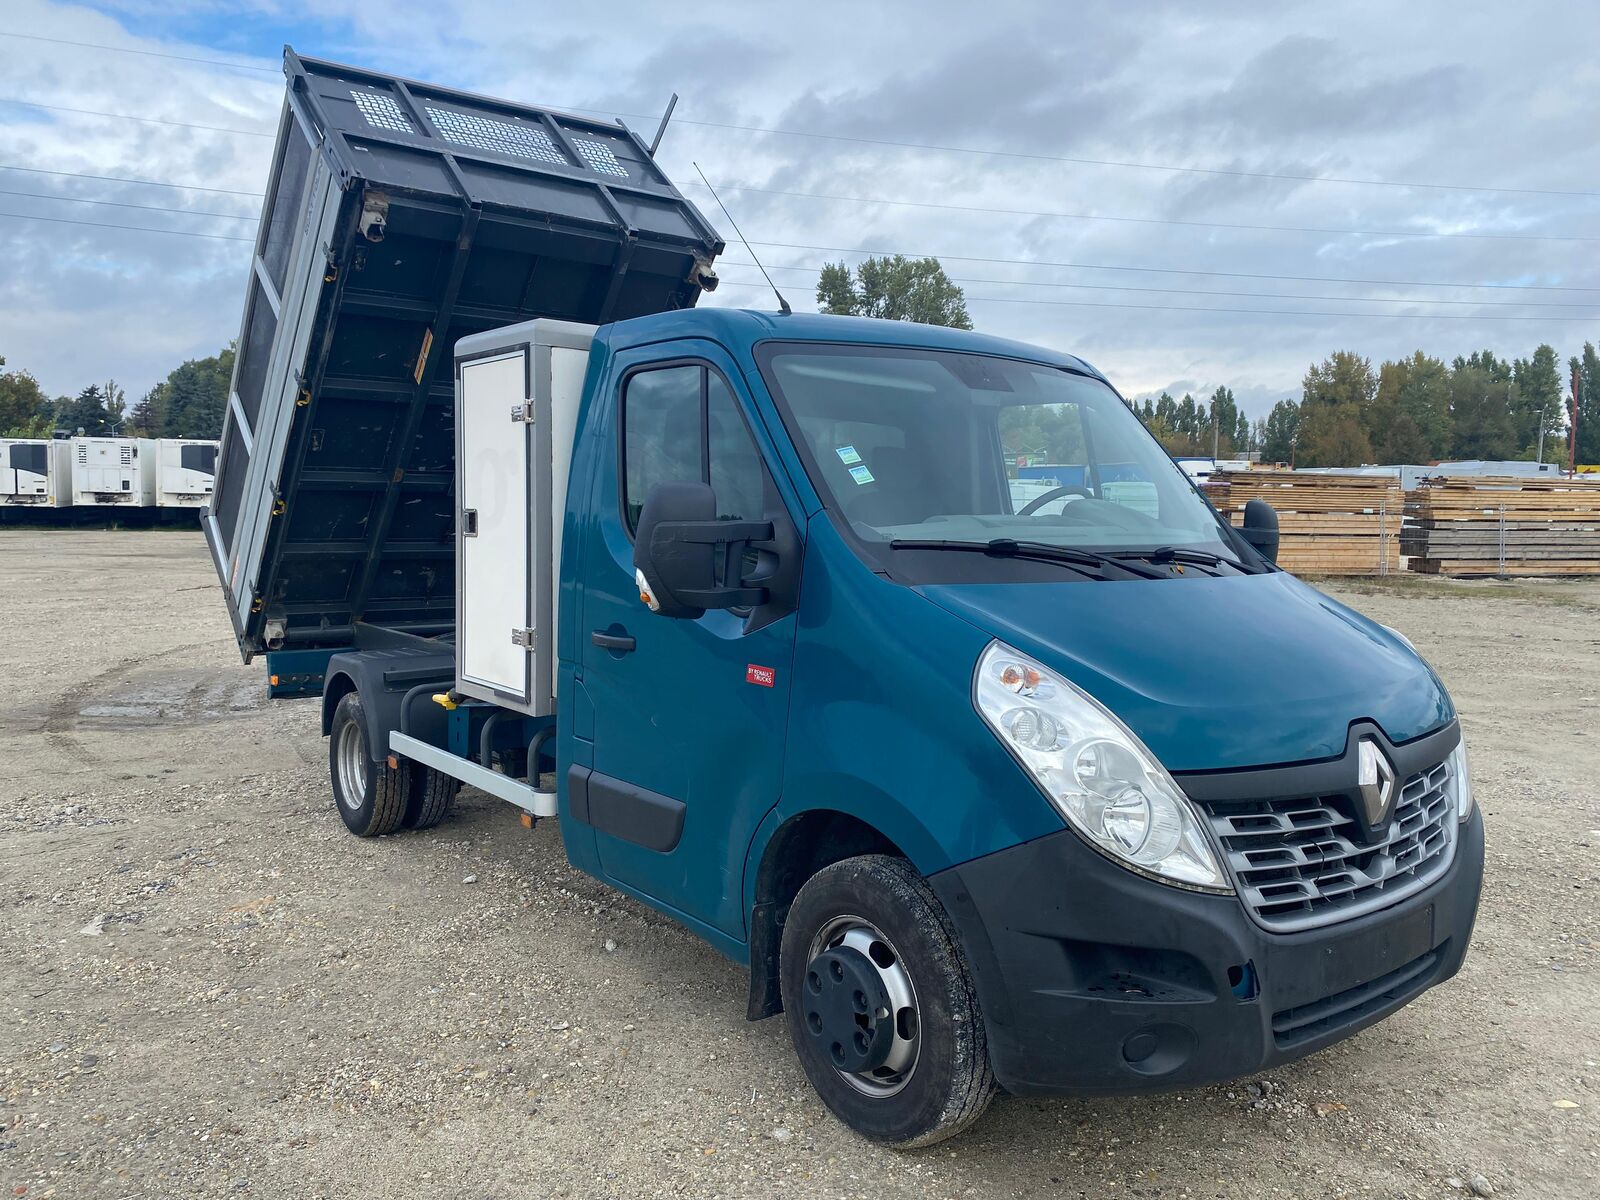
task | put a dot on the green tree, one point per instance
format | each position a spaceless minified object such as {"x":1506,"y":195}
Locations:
{"x":1161,"y":431}
{"x":896,"y":288}
{"x":89,"y":412}
{"x":1343,"y":379}
{"x":1279,"y":431}
{"x":1338,"y":394}
{"x":1588,"y":369}
{"x":1485,"y":361}
{"x":24,"y":408}
{"x":148,"y":416}
{"x":1332,"y":436}
{"x":1167,"y":412}
{"x":1222,"y":424}
{"x":1258,"y":434}
{"x":1408,"y":420}
{"x":116,"y":404}
{"x":1542,"y":407}
{"x":1482,"y":399}
{"x":192,"y":401}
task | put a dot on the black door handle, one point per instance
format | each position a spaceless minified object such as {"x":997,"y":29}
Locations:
{"x":619,"y":642}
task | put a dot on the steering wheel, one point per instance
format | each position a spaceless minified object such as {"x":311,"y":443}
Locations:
{"x":1038,"y":502}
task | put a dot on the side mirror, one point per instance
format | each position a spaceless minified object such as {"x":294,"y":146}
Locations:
{"x":686,"y":560}
{"x":1261,"y":528}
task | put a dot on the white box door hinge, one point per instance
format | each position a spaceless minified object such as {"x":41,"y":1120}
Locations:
{"x":522,"y":413}
{"x":523,"y":638}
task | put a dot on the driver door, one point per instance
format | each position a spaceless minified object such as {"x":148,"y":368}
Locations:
{"x":690,"y":716}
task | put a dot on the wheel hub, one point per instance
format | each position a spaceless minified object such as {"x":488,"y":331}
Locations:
{"x":859,"y":1007}
{"x":352,"y":759}
{"x":847,"y":1010}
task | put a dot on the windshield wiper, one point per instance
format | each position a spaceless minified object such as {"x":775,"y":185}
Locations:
{"x":1070,"y":556}
{"x":1202,"y":558}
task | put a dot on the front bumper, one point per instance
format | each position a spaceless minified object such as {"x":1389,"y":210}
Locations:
{"x":1097,"y":981}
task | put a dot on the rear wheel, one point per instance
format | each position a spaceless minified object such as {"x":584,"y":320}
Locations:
{"x":371,"y":796}
{"x":881,"y":1005}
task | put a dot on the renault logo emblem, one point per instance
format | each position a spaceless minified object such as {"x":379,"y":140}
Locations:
{"x":1375,"y":774}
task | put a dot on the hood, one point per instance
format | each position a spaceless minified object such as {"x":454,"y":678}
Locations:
{"x":1216,"y":673}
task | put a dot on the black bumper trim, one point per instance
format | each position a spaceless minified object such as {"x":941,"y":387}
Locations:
{"x":1295,"y":1025}
{"x":1096,"y":981}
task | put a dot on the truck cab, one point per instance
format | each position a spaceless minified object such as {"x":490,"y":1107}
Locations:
{"x":936,"y":765}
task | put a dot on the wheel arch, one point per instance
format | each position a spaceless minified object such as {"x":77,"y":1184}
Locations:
{"x":336,"y":686}
{"x":787,"y":851}
{"x":382,"y":678}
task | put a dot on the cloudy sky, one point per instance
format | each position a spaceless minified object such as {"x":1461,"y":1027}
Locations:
{"x":1186,"y":200}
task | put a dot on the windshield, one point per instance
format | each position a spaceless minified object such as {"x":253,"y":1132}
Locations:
{"x":914,"y":445}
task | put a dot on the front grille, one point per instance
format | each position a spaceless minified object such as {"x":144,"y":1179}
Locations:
{"x":1293,"y":1026}
{"x":1300,"y":862}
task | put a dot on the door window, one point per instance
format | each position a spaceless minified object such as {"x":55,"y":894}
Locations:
{"x":682,"y":423}
{"x":736,"y":474}
{"x":661,"y":439}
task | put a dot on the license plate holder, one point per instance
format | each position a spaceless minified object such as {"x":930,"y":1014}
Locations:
{"x":1307,"y":973}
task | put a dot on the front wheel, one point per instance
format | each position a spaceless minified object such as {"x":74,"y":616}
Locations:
{"x":371,"y":797}
{"x":881,"y":1004}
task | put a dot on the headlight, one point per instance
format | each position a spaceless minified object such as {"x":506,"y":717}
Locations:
{"x":1461,"y":780}
{"x":1094,"y":770}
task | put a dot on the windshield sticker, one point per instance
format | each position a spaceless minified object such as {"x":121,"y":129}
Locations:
{"x":861,"y":474}
{"x":848,"y":456}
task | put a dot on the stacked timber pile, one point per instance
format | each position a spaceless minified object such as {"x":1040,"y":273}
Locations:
{"x":1504,"y":526}
{"x":1330,"y":524}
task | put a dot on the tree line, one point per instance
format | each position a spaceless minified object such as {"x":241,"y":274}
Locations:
{"x":188,"y":403}
{"x":1414,"y":410}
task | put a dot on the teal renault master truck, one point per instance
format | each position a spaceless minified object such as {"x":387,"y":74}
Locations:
{"x":1076,"y":793}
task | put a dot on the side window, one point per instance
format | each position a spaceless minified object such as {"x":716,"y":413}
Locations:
{"x":737,"y":475}
{"x":681,"y":423}
{"x":661,"y":440}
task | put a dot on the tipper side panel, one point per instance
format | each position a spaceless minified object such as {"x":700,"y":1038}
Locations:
{"x":401,"y":217}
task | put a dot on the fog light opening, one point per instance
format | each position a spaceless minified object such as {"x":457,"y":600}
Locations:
{"x":1242,"y":981}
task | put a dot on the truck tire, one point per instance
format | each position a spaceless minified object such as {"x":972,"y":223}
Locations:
{"x":881,"y":1005}
{"x":431,"y":796}
{"x":370,"y":796}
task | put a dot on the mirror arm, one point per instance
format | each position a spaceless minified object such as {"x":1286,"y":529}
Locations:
{"x":740,"y":597}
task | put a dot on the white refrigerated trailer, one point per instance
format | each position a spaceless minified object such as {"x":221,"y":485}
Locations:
{"x":112,"y":471}
{"x":33,"y":473}
{"x":186,"y":472}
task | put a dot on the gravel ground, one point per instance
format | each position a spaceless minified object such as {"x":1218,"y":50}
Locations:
{"x":207,"y":988}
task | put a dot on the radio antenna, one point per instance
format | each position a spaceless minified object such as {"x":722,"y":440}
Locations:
{"x":783,"y":305}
